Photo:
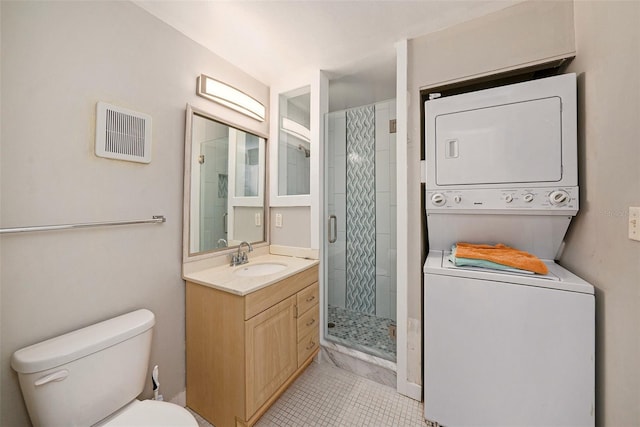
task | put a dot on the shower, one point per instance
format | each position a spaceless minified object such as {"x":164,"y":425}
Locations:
{"x":360,"y":204}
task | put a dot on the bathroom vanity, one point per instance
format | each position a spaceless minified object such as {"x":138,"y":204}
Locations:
{"x":248,"y":338}
{"x":251,"y":329}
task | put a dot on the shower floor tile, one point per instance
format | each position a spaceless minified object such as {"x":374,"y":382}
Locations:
{"x":362,"y":331}
{"x":328,"y":396}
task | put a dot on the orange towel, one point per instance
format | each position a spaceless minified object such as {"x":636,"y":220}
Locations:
{"x":502,"y":254}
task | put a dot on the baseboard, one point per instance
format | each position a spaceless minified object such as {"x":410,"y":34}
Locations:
{"x":180,"y":399}
{"x":411,"y":390}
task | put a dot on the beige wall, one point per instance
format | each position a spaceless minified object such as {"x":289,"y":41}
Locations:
{"x":597,"y":247}
{"x":58,"y":60}
{"x":296,"y":226}
{"x":514,"y":37}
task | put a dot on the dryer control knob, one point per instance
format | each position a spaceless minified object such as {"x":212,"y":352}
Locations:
{"x":438,"y":199}
{"x":558,"y":197}
{"x":528,"y":198}
{"x":508,"y":198}
{"x":457,"y":199}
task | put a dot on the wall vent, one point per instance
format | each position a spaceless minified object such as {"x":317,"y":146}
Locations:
{"x":122,"y":134}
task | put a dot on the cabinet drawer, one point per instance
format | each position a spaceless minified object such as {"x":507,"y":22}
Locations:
{"x":307,"y":298}
{"x":260,"y":300}
{"x":307,"y":345}
{"x":308,"y":322}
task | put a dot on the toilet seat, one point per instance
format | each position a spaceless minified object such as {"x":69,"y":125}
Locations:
{"x":151,"y":413}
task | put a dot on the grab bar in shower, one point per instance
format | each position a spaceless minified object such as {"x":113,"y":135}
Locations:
{"x":156,"y":219}
{"x":334,"y":237}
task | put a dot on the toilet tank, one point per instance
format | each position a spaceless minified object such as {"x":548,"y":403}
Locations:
{"x":81,"y":377}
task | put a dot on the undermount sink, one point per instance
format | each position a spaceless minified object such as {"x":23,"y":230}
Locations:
{"x":260,"y":269}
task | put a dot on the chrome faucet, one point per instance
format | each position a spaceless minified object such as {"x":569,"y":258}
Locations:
{"x":241,"y":257}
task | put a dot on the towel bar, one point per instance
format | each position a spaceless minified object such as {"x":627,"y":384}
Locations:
{"x":156,"y":219}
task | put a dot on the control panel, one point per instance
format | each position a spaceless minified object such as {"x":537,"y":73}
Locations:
{"x":546,"y":199}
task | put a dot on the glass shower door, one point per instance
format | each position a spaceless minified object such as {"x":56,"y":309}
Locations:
{"x":360,"y":304}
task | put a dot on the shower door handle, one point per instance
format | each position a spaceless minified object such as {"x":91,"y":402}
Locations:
{"x":333,"y":236}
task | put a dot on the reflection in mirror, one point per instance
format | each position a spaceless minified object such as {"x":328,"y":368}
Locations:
{"x":294,"y":145}
{"x":226,"y":196}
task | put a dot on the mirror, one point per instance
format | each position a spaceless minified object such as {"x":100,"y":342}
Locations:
{"x":294,"y":142}
{"x":224,"y":182}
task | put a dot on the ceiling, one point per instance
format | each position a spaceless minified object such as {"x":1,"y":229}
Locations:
{"x":270,"y":38}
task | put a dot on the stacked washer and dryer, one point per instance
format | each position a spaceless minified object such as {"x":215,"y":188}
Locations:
{"x":502,"y":347}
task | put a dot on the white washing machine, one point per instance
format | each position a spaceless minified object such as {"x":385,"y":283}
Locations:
{"x":502,"y":348}
{"x":507,"y":349}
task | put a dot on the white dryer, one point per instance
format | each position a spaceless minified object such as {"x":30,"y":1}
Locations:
{"x":501,"y":348}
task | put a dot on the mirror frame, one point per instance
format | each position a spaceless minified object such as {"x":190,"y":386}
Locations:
{"x":187,"y":256}
{"x":285,"y":98}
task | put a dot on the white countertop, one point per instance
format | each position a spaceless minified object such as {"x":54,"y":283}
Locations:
{"x":225,"y":279}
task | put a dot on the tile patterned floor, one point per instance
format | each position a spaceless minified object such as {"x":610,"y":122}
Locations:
{"x":362,"y":331}
{"x":326,"y":396}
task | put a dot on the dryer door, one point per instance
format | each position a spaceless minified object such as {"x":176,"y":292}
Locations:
{"x":518,"y":142}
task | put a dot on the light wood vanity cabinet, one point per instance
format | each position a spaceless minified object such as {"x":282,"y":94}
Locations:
{"x":244,"y":351}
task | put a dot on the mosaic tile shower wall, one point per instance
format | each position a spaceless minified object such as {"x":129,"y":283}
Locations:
{"x":361,"y":210}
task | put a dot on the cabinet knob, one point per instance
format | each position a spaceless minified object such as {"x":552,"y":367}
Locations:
{"x":311,"y":322}
{"x":311,"y":344}
{"x":311,"y":298}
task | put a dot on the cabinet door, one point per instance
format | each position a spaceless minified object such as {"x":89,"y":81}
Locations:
{"x":271,"y":352}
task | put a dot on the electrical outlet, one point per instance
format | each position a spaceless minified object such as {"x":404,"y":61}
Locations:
{"x":634,"y":223}
{"x":258,"y":219}
{"x":278,"y":220}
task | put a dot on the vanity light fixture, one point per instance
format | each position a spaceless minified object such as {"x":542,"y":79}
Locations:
{"x":216,"y":91}
{"x":296,"y":129}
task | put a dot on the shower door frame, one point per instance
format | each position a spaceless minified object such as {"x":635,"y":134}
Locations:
{"x":318,"y":214}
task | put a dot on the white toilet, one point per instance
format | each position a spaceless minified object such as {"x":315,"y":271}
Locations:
{"x":93,"y":375}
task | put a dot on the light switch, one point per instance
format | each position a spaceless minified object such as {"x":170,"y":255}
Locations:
{"x":634,"y":223}
{"x":258,"y":219}
{"x":278,"y":220}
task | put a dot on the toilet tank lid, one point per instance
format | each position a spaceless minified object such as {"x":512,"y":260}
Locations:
{"x":82,"y":342}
